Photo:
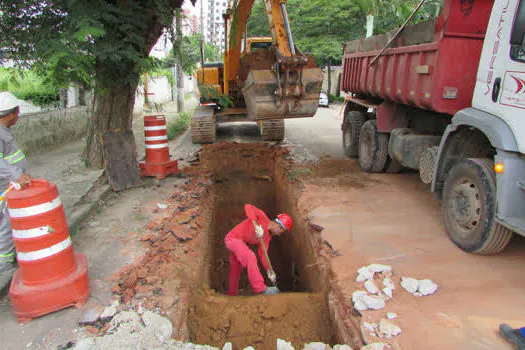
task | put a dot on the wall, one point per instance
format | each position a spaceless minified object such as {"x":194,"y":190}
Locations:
{"x":42,"y":131}
{"x":161,"y":90}
{"x":336,"y":72}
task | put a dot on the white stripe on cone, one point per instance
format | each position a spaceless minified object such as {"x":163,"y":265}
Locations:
{"x":156,"y":138}
{"x":33,"y":232}
{"x":35,"y":210}
{"x":44,"y":253}
{"x":162,"y":145}
{"x":154,"y":128}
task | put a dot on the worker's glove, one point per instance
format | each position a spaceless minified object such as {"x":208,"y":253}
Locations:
{"x":272,"y":276}
{"x":259,"y":232}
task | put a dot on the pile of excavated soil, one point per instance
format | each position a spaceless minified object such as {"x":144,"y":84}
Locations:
{"x":258,"y":321}
{"x":163,"y":276}
{"x":330,"y":172}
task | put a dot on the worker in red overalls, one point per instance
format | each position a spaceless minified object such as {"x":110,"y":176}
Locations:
{"x":247,"y":232}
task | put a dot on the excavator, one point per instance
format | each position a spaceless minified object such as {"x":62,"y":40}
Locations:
{"x":269,"y":81}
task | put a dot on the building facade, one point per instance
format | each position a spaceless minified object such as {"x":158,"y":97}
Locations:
{"x":215,"y":22}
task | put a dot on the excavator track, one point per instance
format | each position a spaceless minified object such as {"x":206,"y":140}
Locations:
{"x":272,"y":129}
{"x":203,"y":125}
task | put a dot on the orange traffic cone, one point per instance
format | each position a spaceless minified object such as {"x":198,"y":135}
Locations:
{"x":51,"y":276}
{"x":157,"y":151}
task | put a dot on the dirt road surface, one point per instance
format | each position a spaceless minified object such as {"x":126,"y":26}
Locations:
{"x":395,"y":220}
{"x":387,"y":219}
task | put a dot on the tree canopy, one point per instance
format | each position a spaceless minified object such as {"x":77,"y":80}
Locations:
{"x":190,"y":54}
{"x":321,"y":26}
{"x":105,"y":43}
{"x":75,"y":37}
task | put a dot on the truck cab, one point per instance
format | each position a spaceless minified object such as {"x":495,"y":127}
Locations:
{"x":447,"y":97}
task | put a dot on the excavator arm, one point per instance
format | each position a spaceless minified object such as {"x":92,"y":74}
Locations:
{"x":265,"y":85}
{"x":236,"y":19}
{"x":288,"y":86}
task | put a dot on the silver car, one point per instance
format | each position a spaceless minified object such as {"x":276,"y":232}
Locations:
{"x":323,"y":99}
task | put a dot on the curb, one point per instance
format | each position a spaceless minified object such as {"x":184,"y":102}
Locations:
{"x":176,"y":143}
{"x":82,"y":211}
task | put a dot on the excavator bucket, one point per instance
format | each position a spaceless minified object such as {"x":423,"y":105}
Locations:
{"x":270,"y":97}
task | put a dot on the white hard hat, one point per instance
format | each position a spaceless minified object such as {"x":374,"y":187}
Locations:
{"x":7,"y":101}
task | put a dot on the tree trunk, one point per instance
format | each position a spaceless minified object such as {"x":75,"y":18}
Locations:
{"x":329,"y":76}
{"x":180,"y":74}
{"x":180,"y":89}
{"x":112,"y":109}
{"x":62,"y":97}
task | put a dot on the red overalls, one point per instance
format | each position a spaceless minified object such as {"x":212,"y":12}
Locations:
{"x":241,"y":256}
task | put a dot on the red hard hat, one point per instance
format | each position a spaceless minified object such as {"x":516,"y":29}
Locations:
{"x":286,"y":220}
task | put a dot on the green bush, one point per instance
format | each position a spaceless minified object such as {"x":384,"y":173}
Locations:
{"x":179,"y":125}
{"x":28,"y":86}
{"x":333,"y":98}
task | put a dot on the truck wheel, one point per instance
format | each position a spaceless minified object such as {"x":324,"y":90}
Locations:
{"x":469,"y":199}
{"x":352,"y":124}
{"x":373,"y":148}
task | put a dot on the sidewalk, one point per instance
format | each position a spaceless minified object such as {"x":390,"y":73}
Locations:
{"x":79,"y":187}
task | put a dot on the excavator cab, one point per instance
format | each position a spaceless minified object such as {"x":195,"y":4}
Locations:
{"x":209,"y":78}
{"x":255,"y":44}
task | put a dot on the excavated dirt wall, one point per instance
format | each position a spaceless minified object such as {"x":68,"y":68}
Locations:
{"x":185,"y":268}
{"x":257,"y":174}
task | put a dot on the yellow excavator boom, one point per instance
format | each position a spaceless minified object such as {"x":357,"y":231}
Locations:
{"x":277,"y":83}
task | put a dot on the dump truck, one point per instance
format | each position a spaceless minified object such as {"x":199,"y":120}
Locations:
{"x":446,"y":97}
{"x":265,"y":83}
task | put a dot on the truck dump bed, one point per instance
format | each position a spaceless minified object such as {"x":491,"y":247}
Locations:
{"x":431,"y":65}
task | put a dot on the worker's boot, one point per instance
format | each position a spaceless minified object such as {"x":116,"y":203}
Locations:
{"x":515,"y":336}
{"x":270,"y":291}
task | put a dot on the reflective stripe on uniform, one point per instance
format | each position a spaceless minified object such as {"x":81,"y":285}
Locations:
{"x":13,"y":154}
{"x":35,"y":210}
{"x":7,"y":257}
{"x":15,"y":157}
{"x":44,"y":253}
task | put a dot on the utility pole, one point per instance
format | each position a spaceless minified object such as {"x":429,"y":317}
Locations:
{"x":180,"y":73}
{"x":329,"y":66}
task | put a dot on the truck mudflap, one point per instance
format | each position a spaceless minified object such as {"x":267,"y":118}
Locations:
{"x":289,"y":95}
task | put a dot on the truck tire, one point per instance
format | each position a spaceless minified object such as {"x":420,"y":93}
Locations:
{"x":352,"y":124}
{"x":469,"y":208}
{"x":373,"y":148}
